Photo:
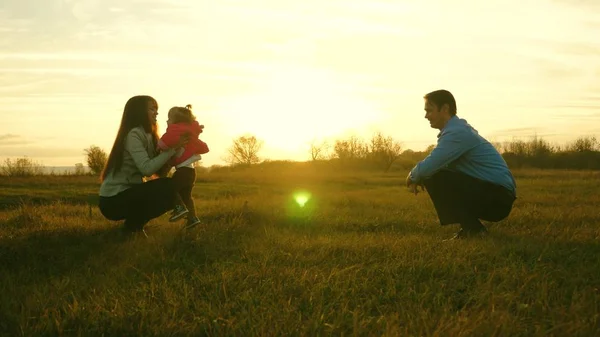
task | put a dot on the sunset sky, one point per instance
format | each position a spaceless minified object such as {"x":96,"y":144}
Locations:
{"x":291,"y":71}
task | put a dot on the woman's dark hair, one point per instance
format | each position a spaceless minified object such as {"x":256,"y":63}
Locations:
{"x":441,"y":97}
{"x":135,"y":114}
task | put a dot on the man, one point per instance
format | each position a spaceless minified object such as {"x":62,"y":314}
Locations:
{"x":465,"y":176}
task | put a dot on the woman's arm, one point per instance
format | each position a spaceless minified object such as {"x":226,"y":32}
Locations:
{"x":135,"y":144}
{"x":170,"y":138}
{"x":163,"y":171}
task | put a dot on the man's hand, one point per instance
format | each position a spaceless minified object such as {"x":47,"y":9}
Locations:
{"x":413,"y":187}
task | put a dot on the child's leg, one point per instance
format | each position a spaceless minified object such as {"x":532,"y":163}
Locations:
{"x":185,"y":179}
{"x":178,"y":200}
{"x":189,"y":201}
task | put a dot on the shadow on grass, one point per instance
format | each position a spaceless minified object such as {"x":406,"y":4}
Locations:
{"x":51,"y":252}
{"x":15,"y":201}
{"x":535,"y":249}
{"x":33,"y":260}
{"x":80,"y":259}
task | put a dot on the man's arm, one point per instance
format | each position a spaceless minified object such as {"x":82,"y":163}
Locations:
{"x":450,"y":146}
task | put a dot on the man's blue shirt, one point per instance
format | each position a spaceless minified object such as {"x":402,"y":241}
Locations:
{"x":460,"y":148}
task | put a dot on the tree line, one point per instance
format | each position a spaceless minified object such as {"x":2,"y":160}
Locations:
{"x":379,"y":152}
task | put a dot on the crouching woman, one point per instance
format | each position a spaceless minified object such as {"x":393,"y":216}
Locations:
{"x":125,"y":194}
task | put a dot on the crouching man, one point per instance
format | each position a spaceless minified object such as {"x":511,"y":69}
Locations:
{"x":465,"y":176}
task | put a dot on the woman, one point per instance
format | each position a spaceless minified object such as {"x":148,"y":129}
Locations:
{"x":123,"y":193}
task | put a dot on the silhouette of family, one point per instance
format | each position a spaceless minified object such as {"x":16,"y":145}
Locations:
{"x":465,"y":176}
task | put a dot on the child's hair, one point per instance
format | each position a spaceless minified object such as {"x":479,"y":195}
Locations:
{"x":182,"y":115}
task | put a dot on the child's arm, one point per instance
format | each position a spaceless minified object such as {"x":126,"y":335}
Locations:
{"x":200,"y":147}
{"x":196,"y":128}
{"x":170,"y":138}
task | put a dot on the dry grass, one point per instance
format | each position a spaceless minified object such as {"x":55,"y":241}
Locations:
{"x":363,"y":257}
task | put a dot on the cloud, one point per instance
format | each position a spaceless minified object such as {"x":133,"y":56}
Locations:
{"x":40,"y":152}
{"x":579,"y":116}
{"x":522,"y":132}
{"x":553,"y":49}
{"x":85,"y":10}
{"x":52,"y":25}
{"x":592,"y":25}
{"x":8,"y":136}
{"x":579,"y":49}
{"x":566,"y":47}
{"x":595,"y":99}
{"x":579,"y":106}
{"x":10,"y":139}
{"x":580,"y":3}
{"x":65,"y":11}
{"x":332,"y":18}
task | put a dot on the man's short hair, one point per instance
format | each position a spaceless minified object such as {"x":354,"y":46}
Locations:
{"x":441,"y":97}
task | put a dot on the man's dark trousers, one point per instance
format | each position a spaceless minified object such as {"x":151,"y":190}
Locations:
{"x":460,"y":198}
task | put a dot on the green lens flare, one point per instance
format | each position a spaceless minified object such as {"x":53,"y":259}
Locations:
{"x":301,"y":198}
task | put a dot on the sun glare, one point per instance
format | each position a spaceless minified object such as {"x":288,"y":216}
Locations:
{"x":296,"y":105}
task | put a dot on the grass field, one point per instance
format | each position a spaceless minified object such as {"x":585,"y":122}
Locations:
{"x":362,"y":257}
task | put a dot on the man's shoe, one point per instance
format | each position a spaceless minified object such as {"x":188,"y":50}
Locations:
{"x":178,"y":212}
{"x":192,"y":222}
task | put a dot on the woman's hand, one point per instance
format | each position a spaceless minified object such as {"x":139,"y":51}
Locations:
{"x":163,"y":171}
{"x":183,"y":140}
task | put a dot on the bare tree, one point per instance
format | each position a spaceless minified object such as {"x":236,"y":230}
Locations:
{"x":351,"y":148}
{"x":318,"y":151}
{"x":245,"y":150}
{"x":583,"y":144}
{"x":96,"y":159}
{"x":384,"y":151}
{"x":22,"y":167}
{"x":429,"y":149}
{"x":499,"y":146}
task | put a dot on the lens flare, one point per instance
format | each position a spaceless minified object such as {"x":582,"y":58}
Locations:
{"x":301,"y":198}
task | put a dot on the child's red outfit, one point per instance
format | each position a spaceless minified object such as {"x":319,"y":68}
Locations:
{"x":194,"y":146}
{"x":185,"y":174}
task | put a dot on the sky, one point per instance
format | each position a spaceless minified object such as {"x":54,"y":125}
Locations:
{"x":290,"y":72}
